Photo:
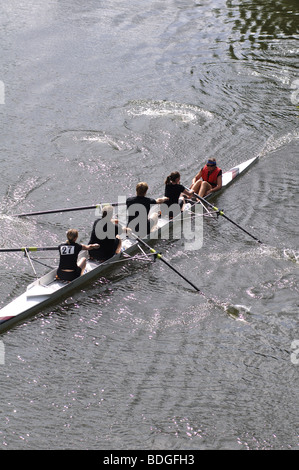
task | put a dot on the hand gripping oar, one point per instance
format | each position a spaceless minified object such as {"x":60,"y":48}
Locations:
{"x":30,"y":248}
{"x":160,"y":257}
{"x":69,"y":209}
{"x":225,"y":216}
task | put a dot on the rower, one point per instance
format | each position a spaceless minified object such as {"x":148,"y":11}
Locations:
{"x":69,"y":268}
{"x":142,"y":223}
{"x":208,"y":179}
{"x":173,"y":191}
{"x":106,"y":232}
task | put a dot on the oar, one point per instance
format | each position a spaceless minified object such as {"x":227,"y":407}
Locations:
{"x":69,"y":209}
{"x":30,"y":248}
{"x":225,"y":216}
{"x":230,"y":309}
{"x":160,"y":257}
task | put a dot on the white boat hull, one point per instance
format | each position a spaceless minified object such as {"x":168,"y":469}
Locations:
{"x":47,"y":290}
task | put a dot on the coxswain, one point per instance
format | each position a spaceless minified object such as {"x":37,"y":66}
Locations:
{"x":208,"y":179}
{"x":69,"y":268}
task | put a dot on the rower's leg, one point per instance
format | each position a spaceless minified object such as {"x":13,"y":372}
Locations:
{"x":118,"y":249}
{"x":204,"y":188}
{"x":196,"y":186}
{"x":82,"y":265}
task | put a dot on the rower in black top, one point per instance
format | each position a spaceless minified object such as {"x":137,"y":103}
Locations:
{"x":69,"y":268}
{"x":173,"y":191}
{"x":139,"y":207}
{"x":106,"y":232}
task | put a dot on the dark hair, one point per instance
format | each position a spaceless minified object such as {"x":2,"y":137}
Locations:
{"x":172,"y":177}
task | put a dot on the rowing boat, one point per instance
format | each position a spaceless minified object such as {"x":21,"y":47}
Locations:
{"x":47,"y":289}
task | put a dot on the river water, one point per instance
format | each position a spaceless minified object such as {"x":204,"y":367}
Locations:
{"x":96,"y":96}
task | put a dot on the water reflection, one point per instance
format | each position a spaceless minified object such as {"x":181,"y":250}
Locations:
{"x":259,"y":21}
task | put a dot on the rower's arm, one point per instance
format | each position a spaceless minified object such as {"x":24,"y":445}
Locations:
{"x":160,"y":200}
{"x":197,"y":177}
{"x":188,"y":193}
{"x":90,"y":247}
{"x":219,"y":185}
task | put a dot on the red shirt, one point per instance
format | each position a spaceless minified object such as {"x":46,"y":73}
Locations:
{"x":212,"y":177}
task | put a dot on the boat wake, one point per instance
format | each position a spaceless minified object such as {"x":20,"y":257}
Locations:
{"x":291,"y":255}
{"x":288,"y":254}
{"x":237,"y":312}
{"x":276,"y":142}
{"x":67,"y":139}
{"x":172,"y":110}
{"x":18,"y":192}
